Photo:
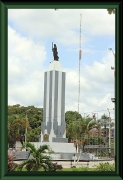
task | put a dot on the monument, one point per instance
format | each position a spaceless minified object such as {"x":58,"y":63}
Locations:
{"x":53,"y":127}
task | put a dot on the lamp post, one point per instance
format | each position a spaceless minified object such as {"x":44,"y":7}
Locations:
{"x":113,"y":99}
{"x":109,"y":133}
{"x":94,"y":117}
{"x":26,"y":128}
{"x":113,"y":68}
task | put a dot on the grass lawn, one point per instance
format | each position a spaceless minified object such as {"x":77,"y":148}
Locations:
{"x":69,"y":169}
{"x":101,"y":167}
{"x":77,"y":169}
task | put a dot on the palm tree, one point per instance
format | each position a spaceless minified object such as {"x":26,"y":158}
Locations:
{"x":104,"y":122}
{"x":87,"y":125}
{"x":39,"y":160}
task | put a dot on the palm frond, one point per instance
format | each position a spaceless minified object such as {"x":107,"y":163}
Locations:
{"x":42,"y":148}
{"x":47,"y":165}
{"x":28,"y":161}
{"x":42,"y":158}
{"x":30,"y":147}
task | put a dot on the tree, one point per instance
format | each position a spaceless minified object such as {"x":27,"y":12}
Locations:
{"x":111,"y":11}
{"x":103,"y":124}
{"x":71,"y":116}
{"x":16,"y":129}
{"x":33,"y":134}
{"x":39,"y":160}
{"x":76,"y":125}
{"x":77,"y":128}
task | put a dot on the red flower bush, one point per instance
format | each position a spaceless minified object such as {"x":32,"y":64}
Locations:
{"x":11,"y":164}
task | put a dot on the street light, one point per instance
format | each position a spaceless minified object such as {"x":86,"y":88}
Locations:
{"x":113,"y":68}
{"x":113,"y":99}
{"x":26,"y":128}
{"x":112,"y":51}
{"x":109,"y":133}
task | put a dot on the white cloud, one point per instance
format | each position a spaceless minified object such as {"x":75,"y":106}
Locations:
{"x":23,"y":47}
{"x":27,"y":36}
{"x":105,"y":99}
{"x":96,"y":87}
{"x":61,"y":25}
{"x":24,"y":69}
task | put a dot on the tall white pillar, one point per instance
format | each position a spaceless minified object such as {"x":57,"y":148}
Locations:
{"x":53,"y":127}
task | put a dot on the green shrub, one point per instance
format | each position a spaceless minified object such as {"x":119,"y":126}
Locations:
{"x":56,"y":166}
{"x":105,"y":167}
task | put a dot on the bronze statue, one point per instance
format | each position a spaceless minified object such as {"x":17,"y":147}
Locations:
{"x":55,"y":53}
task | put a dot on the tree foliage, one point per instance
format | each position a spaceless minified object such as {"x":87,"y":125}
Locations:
{"x":17,"y":123}
{"x":111,"y":11}
{"x":76,"y":125}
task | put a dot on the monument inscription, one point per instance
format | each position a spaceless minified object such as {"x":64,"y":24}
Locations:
{"x":46,"y":137}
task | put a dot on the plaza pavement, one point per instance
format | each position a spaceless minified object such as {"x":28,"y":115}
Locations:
{"x":67,"y":164}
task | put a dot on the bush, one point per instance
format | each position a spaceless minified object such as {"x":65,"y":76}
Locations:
{"x":11,"y":164}
{"x":29,"y":166}
{"x":56,"y":166}
{"x":105,"y":167}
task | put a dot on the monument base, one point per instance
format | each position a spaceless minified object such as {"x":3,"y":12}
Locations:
{"x":57,"y":147}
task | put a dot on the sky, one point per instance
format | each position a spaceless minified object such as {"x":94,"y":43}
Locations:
{"x":30,"y":36}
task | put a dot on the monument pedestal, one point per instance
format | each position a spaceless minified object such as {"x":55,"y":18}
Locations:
{"x":65,"y":151}
{"x":57,"y":147}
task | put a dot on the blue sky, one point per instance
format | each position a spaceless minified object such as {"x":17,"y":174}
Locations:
{"x":30,"y":36}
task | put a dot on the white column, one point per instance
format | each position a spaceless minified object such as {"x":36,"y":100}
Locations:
{"x":47,"y":98}
{"x":53,"y":94}
{"x":59,"y":97}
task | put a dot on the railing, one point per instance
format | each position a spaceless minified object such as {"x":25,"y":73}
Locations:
{"x":98,"y":146}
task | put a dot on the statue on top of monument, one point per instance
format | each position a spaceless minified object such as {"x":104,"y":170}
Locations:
{"x":55,"y":53}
